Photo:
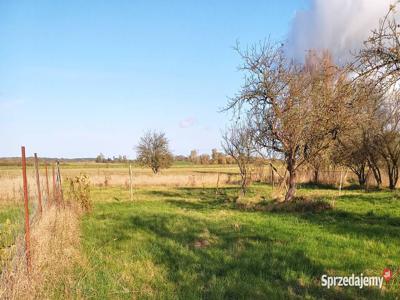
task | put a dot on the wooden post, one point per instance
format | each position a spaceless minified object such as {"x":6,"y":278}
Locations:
{"x":26,"y":206}
{"x":130,"y":182}
{"x":217,"y":190}
{"x":47,"y":185}
{"x":38,"y":184}
{"x":272,"y":176}
{"x":341,"y":182}
{"x":60,"y":191}
{"x":55,"y":193}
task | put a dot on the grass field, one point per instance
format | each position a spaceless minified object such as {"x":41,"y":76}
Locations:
{"x":193,"y":241}
{"x":190,"y":243}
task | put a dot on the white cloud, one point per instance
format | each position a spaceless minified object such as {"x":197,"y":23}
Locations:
{"x":337,"y":25}
{"x":188,"y":122}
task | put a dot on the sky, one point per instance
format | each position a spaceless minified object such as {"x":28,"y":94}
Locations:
{"x":82,"y":77}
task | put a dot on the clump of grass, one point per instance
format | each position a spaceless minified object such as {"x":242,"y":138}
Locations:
{"x":300,"y":205}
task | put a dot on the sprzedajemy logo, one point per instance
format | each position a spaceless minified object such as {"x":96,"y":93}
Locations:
{"x":359,"y":281}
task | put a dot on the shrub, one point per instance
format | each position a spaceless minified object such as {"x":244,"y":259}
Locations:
{"x":79,"y":191}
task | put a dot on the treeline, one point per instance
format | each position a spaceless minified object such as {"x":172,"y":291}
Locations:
{"x":216,"y":158}
{"x":115,"y":159}
{"x":16,"y":161}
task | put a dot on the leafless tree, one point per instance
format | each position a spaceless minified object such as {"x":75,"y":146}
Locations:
{"x":297,"y":110}
{"x":194,"y":157}
{"x":153,"y":151}
{"x":379,"y":61}
{"x":358,"y":147}
{"x":380,"y":56}
{"x":204,"y":159}
{"x":238,"y":143}
{"x":388,"y":138}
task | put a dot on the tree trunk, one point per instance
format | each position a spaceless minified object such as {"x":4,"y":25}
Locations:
{"x":393,"y":173}
{"x":359,"y":170}
{"x":377,"y":173}
{"x":361,"y":179}
{"x":292,"y":181}
{"x":316,"y":175}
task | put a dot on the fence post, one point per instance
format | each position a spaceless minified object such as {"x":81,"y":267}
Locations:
{"x":47,"y":185}
{"x":272,"y":177}
{"x":26,"y":206}
{"x":341,"y":182}
{"x":55,"y":198}
{"x":217,"y":190}
{"x":60,"y":191}
{"x":38,"y":183}
{"x":130,"y":182}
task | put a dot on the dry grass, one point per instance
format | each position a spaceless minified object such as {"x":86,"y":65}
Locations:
{"x":176,"y":176}
{"x":54,"y":250}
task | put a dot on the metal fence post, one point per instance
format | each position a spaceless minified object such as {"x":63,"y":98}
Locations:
{"x":54,"y":185}
{"x":47,"y":185}
{"x":60,"y":191}
{"x":38,"y":183}
{"x":26,"y":206}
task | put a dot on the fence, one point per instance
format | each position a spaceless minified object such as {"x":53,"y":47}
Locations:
{"x":56,"y":199}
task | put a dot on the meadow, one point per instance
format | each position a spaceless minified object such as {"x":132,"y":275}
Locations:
{"x":199,"y":241}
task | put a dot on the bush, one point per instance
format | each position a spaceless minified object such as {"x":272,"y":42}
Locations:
{"x":79,"y":191}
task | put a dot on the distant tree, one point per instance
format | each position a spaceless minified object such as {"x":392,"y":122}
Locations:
{"x":239,"y":144}
{"x":153,"y":151}
{"x":194,"y":157}
{"x":100,"y":158}
{"x":221,"y":159}
{"x":204,"y":159}
{"x":180,"y":158}
{"x":214,"y":156}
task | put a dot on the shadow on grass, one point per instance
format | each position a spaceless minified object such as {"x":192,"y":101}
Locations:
{"x":320,"y":186}
{"x":210,"y":258}
{"x":368,"y":224}
{"x":233,"y":264}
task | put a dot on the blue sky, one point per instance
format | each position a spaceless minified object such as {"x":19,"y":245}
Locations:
{"x":82,"y":77}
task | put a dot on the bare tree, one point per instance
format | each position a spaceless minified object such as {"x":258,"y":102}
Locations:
{"x":379,"y":61}
{"x":358,"y":148}
{"x":350,"y":152}
{"x":388,"y":138}
{"x":153,"y":151}
{"x":380,"y":56}
{"x":297,"y":110}
{"x":238,"y":143}
{"x":204,"y":159}
{"x":194,"y":157}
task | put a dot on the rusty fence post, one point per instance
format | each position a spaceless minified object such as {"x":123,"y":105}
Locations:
{"x":38,"y":184}
{"x":47,"y":185}
{"x":60,"y":191}
{"x":26,"y":205}
{"x":54,"y":185}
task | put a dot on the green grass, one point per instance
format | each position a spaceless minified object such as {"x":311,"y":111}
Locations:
{"x":11,"y":221}
{"x":189,"y":244}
